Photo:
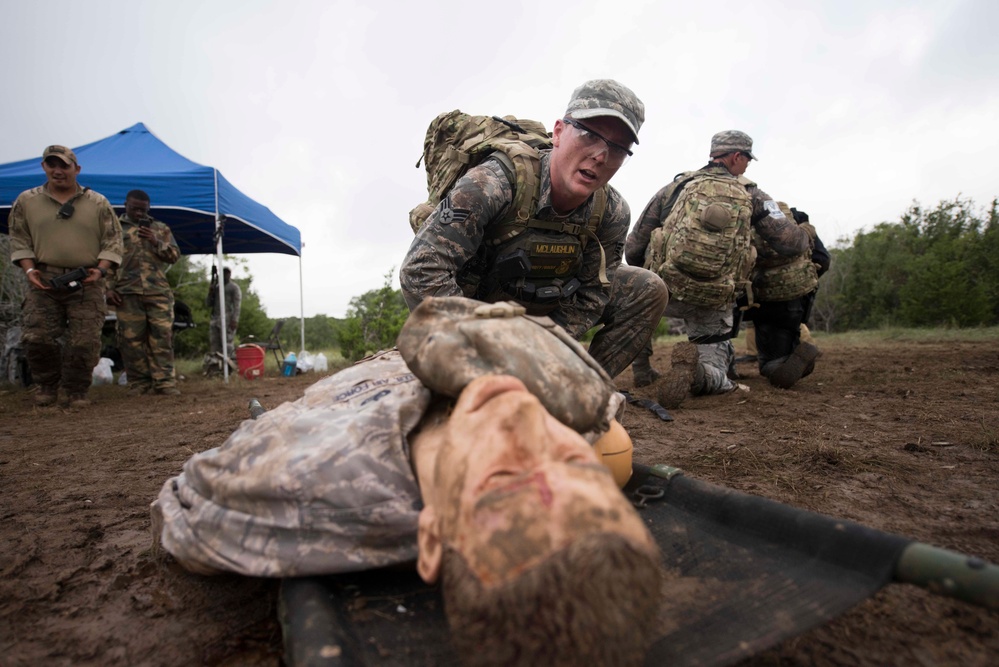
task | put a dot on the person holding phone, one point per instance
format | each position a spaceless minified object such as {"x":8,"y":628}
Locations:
{"x":144,"y":300}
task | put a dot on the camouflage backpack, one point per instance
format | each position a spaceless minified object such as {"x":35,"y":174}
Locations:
{"x":702,"y":250}
{"x":456,"y":141}
{"x":780,"y":278}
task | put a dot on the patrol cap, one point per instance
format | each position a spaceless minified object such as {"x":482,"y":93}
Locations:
{"x":61,"y":152}
{"x":606,"y":97}
{"x":731,"y":141}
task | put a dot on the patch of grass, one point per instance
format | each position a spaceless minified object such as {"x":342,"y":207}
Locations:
{"x":987,"y":439}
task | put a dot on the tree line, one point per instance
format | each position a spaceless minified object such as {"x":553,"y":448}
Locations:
{"x":935,"y":267}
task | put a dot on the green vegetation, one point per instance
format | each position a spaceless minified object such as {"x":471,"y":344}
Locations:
{"x":932,"y":268}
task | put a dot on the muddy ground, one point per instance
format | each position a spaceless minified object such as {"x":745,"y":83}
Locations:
{"x":901,"y":437}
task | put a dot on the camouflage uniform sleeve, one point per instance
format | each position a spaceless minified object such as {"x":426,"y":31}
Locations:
{"x":166,"y":246}
{"x":112,"y":245}
{"x":452,"y":234}
{"x":320,"y":485}
{"x":780,"y":232}
{"x":651,"y":219}
{"x":590,"y":300}
{"x":21,"y":246}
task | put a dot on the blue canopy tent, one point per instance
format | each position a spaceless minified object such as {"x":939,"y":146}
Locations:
{"x":205,"y":211}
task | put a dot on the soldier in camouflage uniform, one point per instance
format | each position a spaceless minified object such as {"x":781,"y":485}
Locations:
{"x":233,"y":304}
{"x":144,"y":301}
{"x":785,"y":289}
{"x":54,"y":229}
{"x":705,"y":369}
{"x":488,"y":493}
{"x":450,"y":257}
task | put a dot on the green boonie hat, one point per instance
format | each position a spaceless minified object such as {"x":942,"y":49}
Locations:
{"x":731,"y":141}
{"x":606,"y":97}
{"x":61,"y":152}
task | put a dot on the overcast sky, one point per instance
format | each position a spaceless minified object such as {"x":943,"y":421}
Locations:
{"x":318,"y":109}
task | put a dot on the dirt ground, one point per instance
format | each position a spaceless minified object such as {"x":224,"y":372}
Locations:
{"x":901,"y":437}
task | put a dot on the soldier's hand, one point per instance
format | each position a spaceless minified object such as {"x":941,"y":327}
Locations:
{"x":93,"y":275}
{"x":113,"y":297}
{"x":147,"y":233}
{"x":36,"y":281}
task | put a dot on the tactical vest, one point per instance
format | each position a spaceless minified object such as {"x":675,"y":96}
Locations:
{"x":534,"y":262}
{"x":778,"y":277}
{"x":702,"y":250}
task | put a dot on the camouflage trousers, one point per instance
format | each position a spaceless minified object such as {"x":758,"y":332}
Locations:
{"x":215,"y":338}
{"x":61,"y":334}
{"x":714,"y":360}
{"x":636,"y":305}
{"x":145,"y":339}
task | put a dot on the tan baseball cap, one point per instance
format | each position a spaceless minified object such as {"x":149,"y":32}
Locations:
{"x":61,"y":152}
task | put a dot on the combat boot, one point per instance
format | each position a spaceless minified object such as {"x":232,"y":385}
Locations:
{"x":138,"y":390}
{"x":46,"y":396}
{"x":167,"y":391}
{"x":78,"y":401}
{"x":675,"y":385}
{"x":645,"y":377}
{"x":797,"y":365}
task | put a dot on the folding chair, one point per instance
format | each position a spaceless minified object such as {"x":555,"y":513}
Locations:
{"x":274,"y":343}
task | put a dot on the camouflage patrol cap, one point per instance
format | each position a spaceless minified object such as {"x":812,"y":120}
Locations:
{"x":731,"y":141}
{"x":61,"y":152}
{"x":606,"y":97}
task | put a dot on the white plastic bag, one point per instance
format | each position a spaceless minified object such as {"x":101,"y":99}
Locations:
{"x":123,"y":379}
{"x":305,"y":362}
{"x":102,"y":372}
{"x":320,"y":364}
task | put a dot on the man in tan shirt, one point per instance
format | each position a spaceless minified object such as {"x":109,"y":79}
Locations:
{"x":55,"y":229}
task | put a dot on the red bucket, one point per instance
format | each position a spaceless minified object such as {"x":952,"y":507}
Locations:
{"x":250,"y":360}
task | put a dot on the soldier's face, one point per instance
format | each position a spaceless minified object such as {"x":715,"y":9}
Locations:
{"x":60,"y":174}
{"x":578,"y":168}
{"x":136,"y":209}
{"x":516,"y":484}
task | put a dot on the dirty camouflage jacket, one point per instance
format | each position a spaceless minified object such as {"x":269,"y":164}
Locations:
{"x":144,"y":264}
{"x":780,"y":232}
{"x":453,"y":233}
{"x":320,"y":485}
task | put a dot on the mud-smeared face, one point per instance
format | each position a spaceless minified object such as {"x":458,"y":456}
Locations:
{"x":514,"y":484}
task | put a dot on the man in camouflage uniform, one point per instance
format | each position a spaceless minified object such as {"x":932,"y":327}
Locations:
{"x":703,"y":365}
{"x":233,"y":303}
{"x":487,"y":491}
{"x":144,"y":301}
{"x":54,"y":229}
{"x":785,"y":288}
{"x":451,"y":256}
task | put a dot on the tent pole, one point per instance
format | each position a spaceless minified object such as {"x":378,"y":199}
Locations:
{"x":221,"y":286}
{"x":301,"y":301}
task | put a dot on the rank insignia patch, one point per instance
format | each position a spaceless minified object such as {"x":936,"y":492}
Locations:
{"x":449,"y":214}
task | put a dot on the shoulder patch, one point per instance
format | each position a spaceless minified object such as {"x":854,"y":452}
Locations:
{"x":773,"y":209}
{"x":449,"y":214}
